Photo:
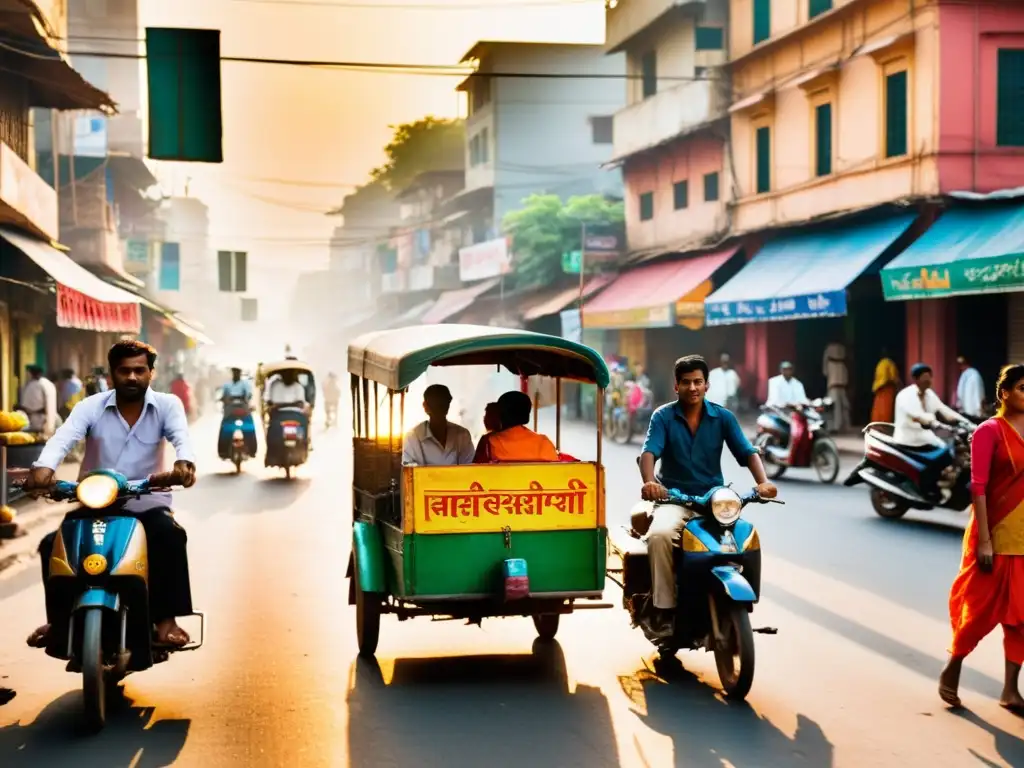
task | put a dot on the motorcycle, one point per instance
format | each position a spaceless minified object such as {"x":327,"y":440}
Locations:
{"x":98,"y":588}
{"x":628,"y":425}
{"x":920,"y":477}
{"x":237,"y":420}
{"x":797,"y":438}
{"x":718,"y":574}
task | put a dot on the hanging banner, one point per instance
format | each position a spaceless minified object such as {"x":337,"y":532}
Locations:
{"x":76,"y":310}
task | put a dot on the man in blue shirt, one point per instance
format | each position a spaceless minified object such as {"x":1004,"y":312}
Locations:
{"x":687,"y":436}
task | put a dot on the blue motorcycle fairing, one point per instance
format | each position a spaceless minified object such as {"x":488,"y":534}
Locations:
{"x":116,"y":538}
{"x":741,"y":531}
{"x":228,"y":425}
{"x":98,"y":598}
{"x":736,"y":587}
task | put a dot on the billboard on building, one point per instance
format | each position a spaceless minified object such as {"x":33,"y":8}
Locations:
{"x":485,"y":260}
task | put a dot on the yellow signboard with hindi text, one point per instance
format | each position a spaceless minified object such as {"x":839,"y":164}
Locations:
{"x":485,"y":498}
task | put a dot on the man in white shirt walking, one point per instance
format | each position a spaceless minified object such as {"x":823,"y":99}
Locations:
{"x":125,"y":430}
{"x":39,"y":399}
{"x":724,"y":384}
{"x":917,"y":407}
{"x":785,"y":390}
{"x":437,"y":441}
{"x":970,"y":390}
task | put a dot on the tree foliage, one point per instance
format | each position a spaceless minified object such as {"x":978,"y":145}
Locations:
{"x":546,"y":227}
{"x":428,"y":144}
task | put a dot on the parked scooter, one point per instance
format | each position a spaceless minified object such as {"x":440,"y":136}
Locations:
{"x":914,"y":477}
{"x":98,"y":588}
{"x":797,"y":437}
{"x":718,"y":573}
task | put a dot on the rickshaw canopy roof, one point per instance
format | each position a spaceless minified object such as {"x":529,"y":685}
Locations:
{"x":269,"y":369}
{"x":398,"y":357}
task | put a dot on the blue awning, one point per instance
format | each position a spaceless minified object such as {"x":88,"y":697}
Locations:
{"x":969,"y":250}
{"x":803,"y":275}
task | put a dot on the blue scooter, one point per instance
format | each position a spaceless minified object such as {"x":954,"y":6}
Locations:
{"x":98,"y":587}
{"x":718,"y":575}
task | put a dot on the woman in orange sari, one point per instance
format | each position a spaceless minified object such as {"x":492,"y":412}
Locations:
{"x":885,"y":387}
{"x":989,"y":590}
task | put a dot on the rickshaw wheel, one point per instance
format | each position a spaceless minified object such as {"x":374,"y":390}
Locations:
{"x":368,"y":605}
{"x":546,"y":625}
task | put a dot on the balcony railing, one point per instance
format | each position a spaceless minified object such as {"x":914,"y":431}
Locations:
{"x":665,"y":115}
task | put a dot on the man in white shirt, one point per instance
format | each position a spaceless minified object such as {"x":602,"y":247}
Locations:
{"x":125,"y":430}
{"x":39,"y":399}
{"x":437,"y":441}
{"x":970,"y":390}
{"x":724,"y":384}
{"x":785,"y":390}
{"x":916,"y":409}
{"x":287,"y":390}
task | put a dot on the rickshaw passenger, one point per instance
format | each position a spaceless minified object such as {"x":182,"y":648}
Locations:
{"x":437,"y":442}
{"x":287,"y":390}
{"x":515,"y":441}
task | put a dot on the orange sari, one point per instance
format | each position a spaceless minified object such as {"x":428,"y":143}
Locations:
{"x":980,"y":601}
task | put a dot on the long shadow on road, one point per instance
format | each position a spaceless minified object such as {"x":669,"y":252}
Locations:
{"x":707,"y":731}
{"x":56,"y":737}
{"x":496,"y":711}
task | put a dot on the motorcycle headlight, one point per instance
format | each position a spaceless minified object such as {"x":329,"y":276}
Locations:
{"x":725,"y":506}
{"x":98,"y":491}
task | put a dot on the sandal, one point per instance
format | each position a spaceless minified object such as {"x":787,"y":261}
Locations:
{"x":175,"y":638}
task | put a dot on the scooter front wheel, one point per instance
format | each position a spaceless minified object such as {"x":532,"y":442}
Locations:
{"x":826,"y":461}
{"x":888,"y":506}
{"x":734,"y":653}
{"x":772,"y":469}
{"x":94,"y":684}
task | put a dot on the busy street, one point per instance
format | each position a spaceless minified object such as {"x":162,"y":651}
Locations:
{"x":849,"y":680}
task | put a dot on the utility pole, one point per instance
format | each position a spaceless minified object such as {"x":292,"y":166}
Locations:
{"x":583,"y":269}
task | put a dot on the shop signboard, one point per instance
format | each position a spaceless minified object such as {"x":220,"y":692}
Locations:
{"x":831,"y":304}
{"x":485,"y":260}
{"x":1003,"y":273}
{"x":662,"y":316}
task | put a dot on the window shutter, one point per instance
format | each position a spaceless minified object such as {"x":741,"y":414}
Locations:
{"x":896,"y":114}
{"x":823,"y":139}
{"x":681,"y":194}
{"x":762,"y":20}
{"x":764,"y":159}
{"x":818,"y":7}
{"x":1010,"y":98}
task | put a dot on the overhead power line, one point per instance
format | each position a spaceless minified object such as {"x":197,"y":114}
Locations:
{"x":431,"y":6}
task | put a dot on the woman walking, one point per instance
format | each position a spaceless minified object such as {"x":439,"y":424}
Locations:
{"x":885,"y":387}
{"x":989,"y":590}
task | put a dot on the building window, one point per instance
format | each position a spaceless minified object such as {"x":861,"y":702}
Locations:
{"x":818,"y":7}
{"x":896,"y":114}
{"x":762,"y":20}
{"x":250,"y":310}
{"x":170,"y":267}
{"x":1010,"y":97}
{"x":474,"y":152}
{"x":680,"y":195}
{"x":763,"y":158}
{"x":649,"y":74}
{"x":823,"y":139}
{"x":710,"y":39}
{"x":646,"y":206}
{"x":710,"y":187}
{"x":602,"y":129}
{"x":485,"y":146}
{"x":231,"y":271}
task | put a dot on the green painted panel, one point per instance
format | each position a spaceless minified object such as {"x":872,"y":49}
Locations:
{"x":823,"y":139}
{"x":1010,"y":97}
{"x":762,"y":20}
{"x":896,"y":114}
{"x":471,"y":563}
{"x":763,"y":139}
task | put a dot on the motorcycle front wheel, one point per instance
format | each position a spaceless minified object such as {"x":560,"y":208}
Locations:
{"x":621,"y":429}
{"x":734,"y":654}
{"x":826,"y":461}
{"x":772,"y":470}
{"x":94,"y":684}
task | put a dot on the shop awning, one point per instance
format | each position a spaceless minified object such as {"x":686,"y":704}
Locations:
{"x":657,"y":295}
{"x":968,"y":250}
{"x":189,"y":331}
{"x":412,"y":317}
{"x":84,"y":301}
{"x":452,"y":302}
{"x":551,"y":304}
{"x":805,"y":274}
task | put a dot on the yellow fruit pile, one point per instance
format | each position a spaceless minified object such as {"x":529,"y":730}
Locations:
{"x":12,"y":421}
{"x":17,"y":438}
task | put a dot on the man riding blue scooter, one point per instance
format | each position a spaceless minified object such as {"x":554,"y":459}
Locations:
{"x":236,"y":397}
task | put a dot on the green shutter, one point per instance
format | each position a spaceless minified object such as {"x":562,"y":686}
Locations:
{"x":649,"y":73}
{"x":818,"y":7}
{"x":764,"y":159}
{"x":762,"y":20}
{"x":183,"y":78}
{"x":710,"y":39}
{"x":896,"y":114}
{"x":823,"y":139}
{"x":646,"y":206}
{"x":1010,"y":98}
{"x":711,"y":187}
{"x":681,"y":194}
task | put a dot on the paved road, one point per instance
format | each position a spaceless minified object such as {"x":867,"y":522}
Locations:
{"x":848,"y":681}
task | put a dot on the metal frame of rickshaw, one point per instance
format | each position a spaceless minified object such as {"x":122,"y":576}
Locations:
{"x":379,"y":509}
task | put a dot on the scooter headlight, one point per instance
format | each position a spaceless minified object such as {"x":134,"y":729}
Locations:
{"x":98,"y":491}
{"x":725,"y":506}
